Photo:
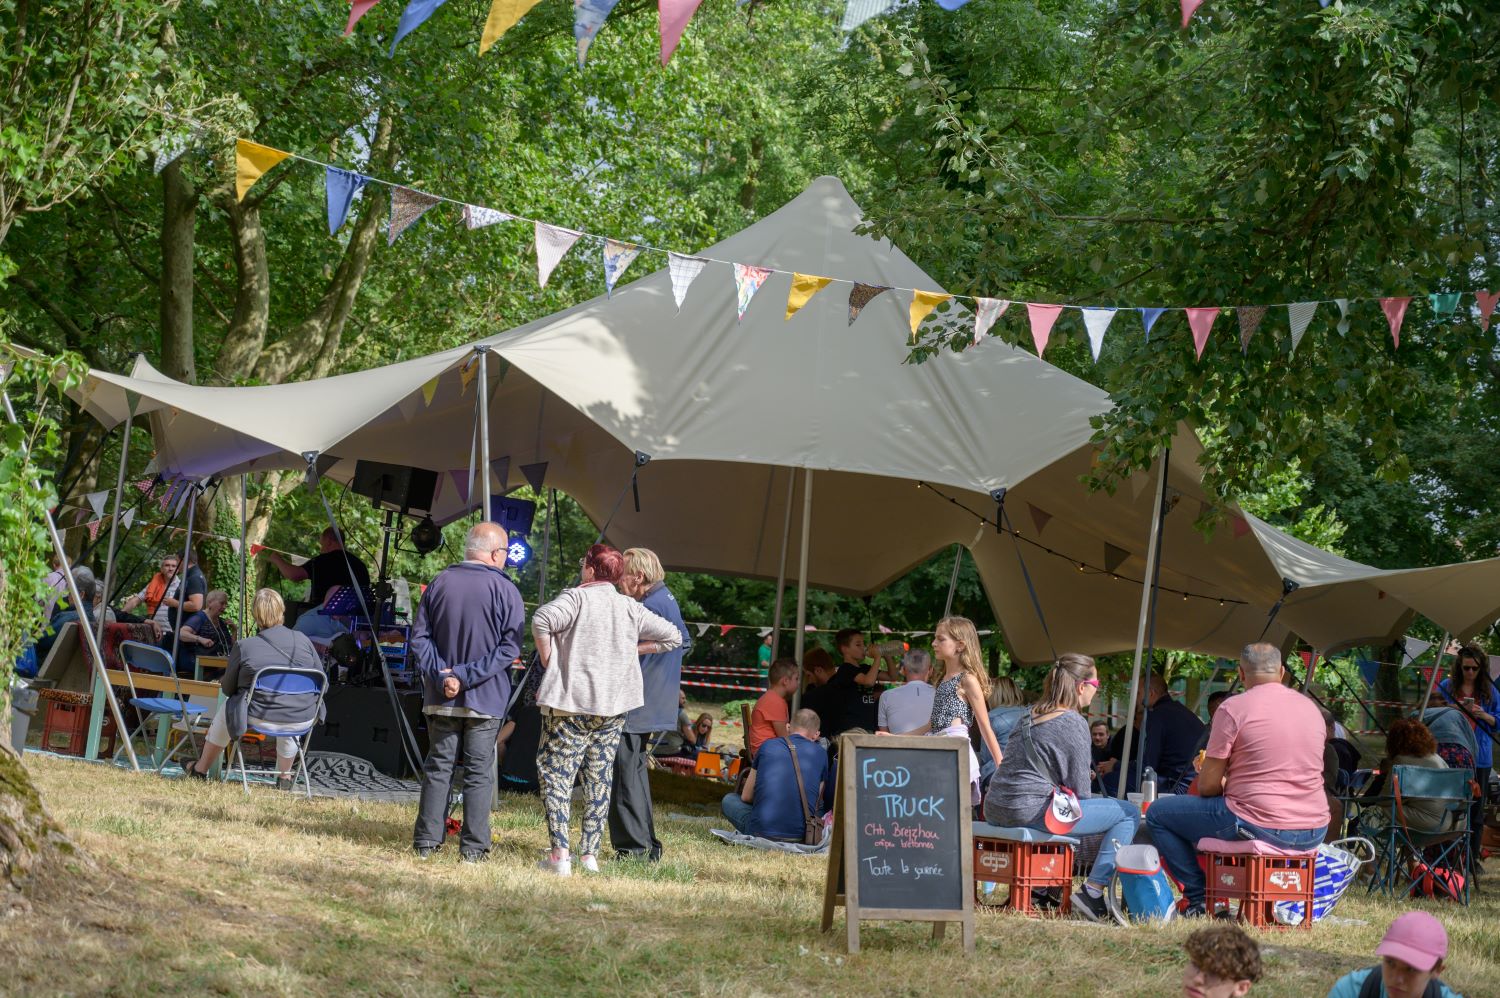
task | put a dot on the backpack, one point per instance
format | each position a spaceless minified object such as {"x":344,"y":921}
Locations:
{"x":1374,"y":987}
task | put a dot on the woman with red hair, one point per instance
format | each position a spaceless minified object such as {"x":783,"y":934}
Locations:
{"x":589,"y":641}
{"x":1409,"y":743}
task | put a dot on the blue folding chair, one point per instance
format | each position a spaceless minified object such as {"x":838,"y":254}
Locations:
{"x":1409,"y":857}
{"x":149,"y":658}
{"x":296,"y":695}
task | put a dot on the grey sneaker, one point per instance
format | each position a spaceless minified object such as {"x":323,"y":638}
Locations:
{"x":474,"y":857}
{"x":1092,"y":908}
{"x":425,"y":852}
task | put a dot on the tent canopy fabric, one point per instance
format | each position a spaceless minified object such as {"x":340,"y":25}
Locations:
{"x":905,"y":457}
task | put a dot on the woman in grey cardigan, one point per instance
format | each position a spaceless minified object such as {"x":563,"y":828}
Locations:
{"x":589,"y":641}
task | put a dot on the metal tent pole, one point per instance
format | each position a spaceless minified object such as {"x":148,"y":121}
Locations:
{"x":484,"y":429}
{"x":114,"y":527}
{"x":182,"y":572}
{"x":244,"y":544}
{"x":786,"y":535}
{"x":958,"y":560}
{"x":1148,"y":588}
{"x":801,"y":636}
{"x":1437,"y":672}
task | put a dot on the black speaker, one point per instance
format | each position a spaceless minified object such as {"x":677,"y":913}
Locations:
{"x":360,"y":723}
{"x":395,"y":486}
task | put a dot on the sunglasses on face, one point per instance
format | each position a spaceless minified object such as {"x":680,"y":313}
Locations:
{"x":1089,"y":682}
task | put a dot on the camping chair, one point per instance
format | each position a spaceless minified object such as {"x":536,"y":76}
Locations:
{"x":297,"y":695}
{"x":149,"y":658}
{"x":1409,"y":856}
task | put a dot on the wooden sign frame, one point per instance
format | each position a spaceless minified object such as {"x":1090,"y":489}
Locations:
{"x":842,"y":885}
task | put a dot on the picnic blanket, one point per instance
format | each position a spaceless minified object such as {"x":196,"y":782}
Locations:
{"x":734,"y":838}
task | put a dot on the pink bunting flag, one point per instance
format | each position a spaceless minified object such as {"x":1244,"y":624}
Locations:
{"x":674,"y":15}
{"x":1395,"y":313}
{"x":1241,"y":526}
{"x":882,"y":629}
{"x":357,"y":10}
{"x":1189,"y":8}
{"x":94,"y":529}
{"x":1201,"y":320}
{"x":1486,"y":300}
{"x":1043,"y":317}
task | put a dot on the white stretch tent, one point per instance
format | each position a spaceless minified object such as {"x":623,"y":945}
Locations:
{"x":729,"y":410}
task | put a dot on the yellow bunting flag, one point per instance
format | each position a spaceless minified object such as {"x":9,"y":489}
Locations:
{"x":503,"y":16}
{"x":466,"y":373}
{"x":922,"y":303}
{"x":251,"y":161}
{"x":804,"y":286}
{"x":428,"y":391}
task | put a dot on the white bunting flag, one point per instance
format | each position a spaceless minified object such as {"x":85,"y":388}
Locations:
{"x":128,"y":518}
{"x":234,"y":544}
{"x":684,"y":271}
{"x":857,"y":12}
{"x":552,"y":244}
{"x":1299,"y":314}
{"x":1343,"y":304}
{"x":986,"y":311}
{"x":96,"y":501}
{"x":1096,"y":321}
{"x":478,"y":216}
{"x":703,"y":629}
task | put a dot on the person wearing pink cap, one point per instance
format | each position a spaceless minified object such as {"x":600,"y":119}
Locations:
{"x":1411,"y":958}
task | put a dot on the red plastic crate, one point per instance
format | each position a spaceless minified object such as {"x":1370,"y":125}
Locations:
{"x":66,"y":727}
{"x":1025,"y":867}
{"x":1257,"y":882}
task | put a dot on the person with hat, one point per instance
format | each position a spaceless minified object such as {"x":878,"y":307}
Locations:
{"x":1411,"y":958}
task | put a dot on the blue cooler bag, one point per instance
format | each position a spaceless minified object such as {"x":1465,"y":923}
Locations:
{"x":1333,"y":872}
{"x":1141,"y":890}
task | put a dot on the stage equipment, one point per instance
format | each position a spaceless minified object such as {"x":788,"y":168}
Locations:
{"x":394,"y":486}
{"x":426,"y":537}
{"x":512,"y":514}
{"x":519,"y":552}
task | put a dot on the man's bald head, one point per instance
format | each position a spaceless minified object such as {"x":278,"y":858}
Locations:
{"x":486,"y":542}
{"x":1260,"y":663}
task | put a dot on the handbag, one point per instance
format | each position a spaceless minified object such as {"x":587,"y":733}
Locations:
{"x":812,"y":828}
{"x":1063,"y":809}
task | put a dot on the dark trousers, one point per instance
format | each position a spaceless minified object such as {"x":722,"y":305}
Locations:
{"x":632,"y":831}
{"x":444,"y":736}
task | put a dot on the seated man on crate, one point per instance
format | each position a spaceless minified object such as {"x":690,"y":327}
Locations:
{"x":1262,"y":777}
{"x":771,"y":804}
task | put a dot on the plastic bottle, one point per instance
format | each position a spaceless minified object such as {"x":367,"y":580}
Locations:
{"x":1148,"y":787}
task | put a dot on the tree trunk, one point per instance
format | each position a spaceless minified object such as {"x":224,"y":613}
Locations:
{"x":246,"y":335}
{"x":30,"y":841}
{"x":178,"y":224}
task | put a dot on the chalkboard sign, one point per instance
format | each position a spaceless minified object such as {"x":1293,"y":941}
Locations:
{"x":901,"y":834}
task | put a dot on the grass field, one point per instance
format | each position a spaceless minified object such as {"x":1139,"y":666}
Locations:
{"x":202,"y":890}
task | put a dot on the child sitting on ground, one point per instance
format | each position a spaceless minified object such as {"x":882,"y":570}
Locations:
{"x":1411,"y":958}
{"x":1223,"y":962}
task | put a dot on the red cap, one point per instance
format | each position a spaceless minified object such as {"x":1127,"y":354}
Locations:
{"x":1415,"y":938}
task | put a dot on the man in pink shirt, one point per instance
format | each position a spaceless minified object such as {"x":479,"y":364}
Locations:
{"x":1262,"y":777}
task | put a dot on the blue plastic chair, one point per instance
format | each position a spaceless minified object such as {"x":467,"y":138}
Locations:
{"x":1404,"y":849}
{"x":149,"y":658}
{"x":298,"y":692}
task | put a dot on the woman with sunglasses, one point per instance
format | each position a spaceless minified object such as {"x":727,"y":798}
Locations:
{"x":1468,"y":687}
{"x":1049,"y":748}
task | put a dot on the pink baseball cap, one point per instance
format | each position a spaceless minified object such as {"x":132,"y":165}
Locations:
{"x":1415,"y":938}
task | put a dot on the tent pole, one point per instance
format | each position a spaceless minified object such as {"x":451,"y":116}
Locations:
{"x":244,"y":543}
{"x":958,"y":560}
{"x":799,"y":640}
{"x":1437,"y":671}
{"x":101,"y":678}
{"x":786,"y":536}
{"x":114,"y":526}
{"x":1148,"y":588}
{"x":484,"y":429}
{"x":182,"y":571}
{"x":541,"y":596}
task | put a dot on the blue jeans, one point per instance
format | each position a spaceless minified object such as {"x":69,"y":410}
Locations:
{"x":1177,"y":823}
{"x":1117,"y":819}
{"x":738,"y":813}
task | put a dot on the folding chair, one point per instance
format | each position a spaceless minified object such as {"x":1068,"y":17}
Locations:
{"x":149,"y":658}
{"x":1407,"y":855}
{"x":297,"y":696}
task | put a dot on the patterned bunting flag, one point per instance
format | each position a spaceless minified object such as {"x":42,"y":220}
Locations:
{"x":674,"y":16}
{"x":1395,"y":313}
{"x":460,"y":478}
{"x":861,"y":295}
{"x":552,"y":244}
{"x":503,"y":16}
{"x":1299,"y":314}
{"x":341,"y":186}
{"x":857,"y":12}
{"x":1096,"y":321}
{"x":922,"y":304}
{"x":617,"y":256}
{"x":478,"y":216}
{"x":1148,"y":319}
{"x":407,"y":206}
{"x":413,"y":17}
{"x":171,"y":148}
{"x":747,"y":281}
{"x":357,"y":10}
{"x":986,"y":312}
{"x":1040,"y":517}
{"x":535,"y":475}
{"x":1343,"y":323}
{"x":1444,"y":303}
{"x":1201,"y":321}
{"x":94,"y":529}
{"x":684,"y":270}
{"x":1042,"y":319}
{"x":804,"y":286}
{"x":1486,"y":302}
{"x":144,"y":486}
{"x":1250,"y":318}
{"x":251,"y":161}
{"x":588,"y":18}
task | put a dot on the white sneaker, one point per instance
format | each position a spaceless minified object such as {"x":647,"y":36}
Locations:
{"x":589,"y":863}
{"x":561,"y":867}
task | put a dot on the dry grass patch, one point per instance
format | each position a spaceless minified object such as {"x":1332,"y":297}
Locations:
{"x":202,"y":890}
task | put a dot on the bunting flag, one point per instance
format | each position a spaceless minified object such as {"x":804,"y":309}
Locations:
{"x":170,"y":149}
{"x":251,"y":161}
{"x":535,"y":475}
{"x":428,"y":391}
{"x":1042,"y":319}
{"x":922,"y":304}
{"x":747,"y":281}
{"x":857,"y":12}
{"x":503,"y":16}
{"x":413,"y":17}
{"x":951,"y":5}
{"x":466,"y":375}
{"x":234,"y":544}
{"x":1040,"y":517}
{"x":804,"y":286}
{"x":617,"y":256}
{"x":1343,"y":323}
{"x":1201,"y":321}
{"x":1395,"y":313}
{"x":674,"y":17}
{"x":1189,"y":7}
{"x":861,"y":295}
{"x":477,"y":216}
{"x":357,"y":10}
{"x":725,"y":629}
{"x":144,"y":486}
{"x":986,"y":312}
{"x":407,"y":206}
{"x":79,"y":515}
{"x":501,"y":467}
{"x":552,"y":244}
{"x":1114,"y":557}
{"x":94,"y":530}
{"x":128,"y":518}
{"x":1444,"y":303}
{"x":1148,"y":319}
{"x":341,"y":186}
{"x":882,"y":629}
{"x":460,"y":478}
{"x":703,"y":629}
{"x":256,"y":549}
{"x":1240,"y":525}
{"x":588,"y":18}
{"x":1486,"y":301}
{"x":1299,"y":314}
{"x":96,"y":501}
{"x":1250,"y":317}
{"x":1096,"y":321}
{"x":684,"y":271}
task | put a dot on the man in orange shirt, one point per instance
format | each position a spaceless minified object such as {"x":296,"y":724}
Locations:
{"x":769,"y":718}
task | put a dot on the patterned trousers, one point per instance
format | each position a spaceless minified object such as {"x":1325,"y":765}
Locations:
{"x":568,"y":743}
